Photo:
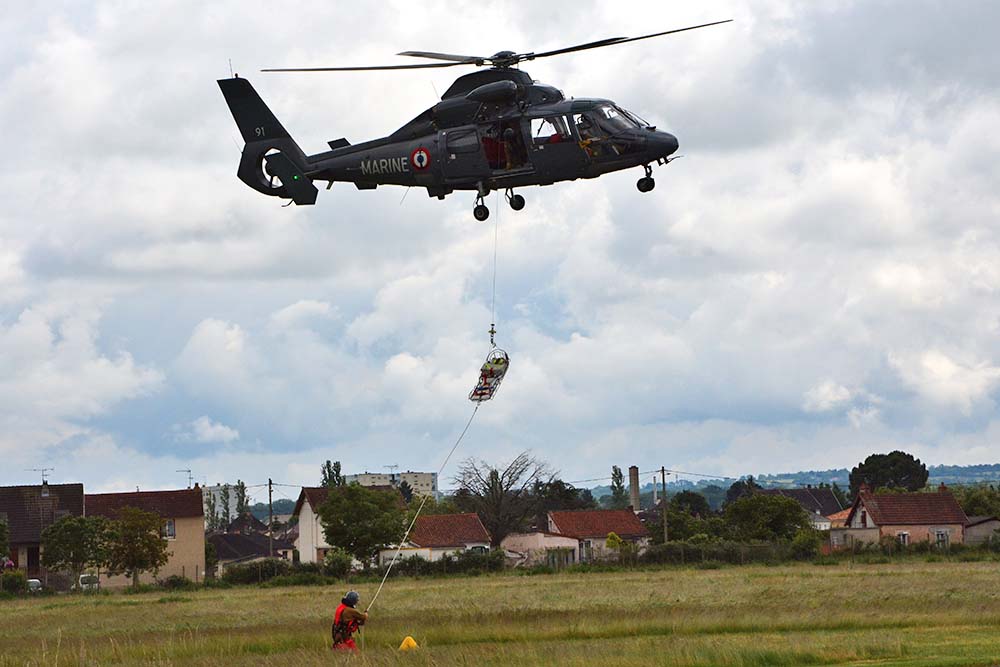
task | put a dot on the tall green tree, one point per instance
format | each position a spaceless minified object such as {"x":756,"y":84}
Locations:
{"x":619,"y":495}
{"x":211,"y":513}
{"x":691,"y":503}
{"x":765,"y":517}
{"x":406,"y":491}
{"x":331,"y":474}
{"x":741,"y":488}
{"x":978,"y":500}
{"x":361,"y":521}
{"x":555,"y":494}
{"x":501,"y":496}
{"x":75,"y":543}
{"x":226,"y":513}
{"x":4,"y":540}
{"x":895,"y":470}
{"x":136,"y":545}
{"x":242,"y":499}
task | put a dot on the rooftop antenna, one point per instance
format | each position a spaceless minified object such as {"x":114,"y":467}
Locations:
{"x":392,"y":471}
{"x":190,"y":477}
{"x":45,"y":472}
{"x":231,"y":75}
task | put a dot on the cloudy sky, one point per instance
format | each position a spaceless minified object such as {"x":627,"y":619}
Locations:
{"x":817,"y":279}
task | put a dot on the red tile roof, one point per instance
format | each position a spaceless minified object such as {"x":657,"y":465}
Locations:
{"x":839,"y":519}
{"x":180,"y":504}
{"x":912,"y":509}
{"x":27,"y":512}
{"x":598,"y":523}
{"x":449,"y":530}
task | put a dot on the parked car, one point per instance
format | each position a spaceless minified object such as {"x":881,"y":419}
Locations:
{"x":34,"y":585}
{"x":87,"y":582}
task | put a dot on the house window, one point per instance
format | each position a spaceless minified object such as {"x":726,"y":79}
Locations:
{"x":904,"y":539}
{"x":864,"y":519}
{"x":169,"y":530}
{"x":942,"y":539}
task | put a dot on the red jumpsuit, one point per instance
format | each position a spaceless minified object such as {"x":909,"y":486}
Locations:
{"x":346,"y":621}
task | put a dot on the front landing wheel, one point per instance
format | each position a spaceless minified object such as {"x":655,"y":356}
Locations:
{"x":480,"y":212}
{"x":645,"y":184}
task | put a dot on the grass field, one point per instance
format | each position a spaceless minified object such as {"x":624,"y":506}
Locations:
{"x":891,"y":614}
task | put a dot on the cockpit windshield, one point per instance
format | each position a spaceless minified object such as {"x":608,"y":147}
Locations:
{"x":612,"y":120}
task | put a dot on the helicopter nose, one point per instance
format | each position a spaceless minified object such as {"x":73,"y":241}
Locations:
{"x":665,"y":144}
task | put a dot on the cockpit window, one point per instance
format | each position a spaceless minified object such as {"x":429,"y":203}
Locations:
{"x":603,"y":121}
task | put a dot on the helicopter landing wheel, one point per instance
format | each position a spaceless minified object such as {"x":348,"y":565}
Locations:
{"x":645,"y":184}
{"x":516,"y":201}
{"x":480,"y":212}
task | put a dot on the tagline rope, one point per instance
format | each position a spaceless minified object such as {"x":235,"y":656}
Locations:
{"x":399,"y":549}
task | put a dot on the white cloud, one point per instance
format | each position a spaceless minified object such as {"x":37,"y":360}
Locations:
{"x":826,"y":396}
{"x":941,"y":379}
{"x":206,"y":431}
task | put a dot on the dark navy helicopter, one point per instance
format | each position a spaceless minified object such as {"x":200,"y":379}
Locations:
{"x":493,"y":129}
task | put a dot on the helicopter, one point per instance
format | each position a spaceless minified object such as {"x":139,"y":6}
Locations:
{"x":493,"y":129}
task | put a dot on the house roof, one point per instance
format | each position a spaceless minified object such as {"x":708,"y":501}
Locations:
{"x":976,"y":520}
{"x":246,"y":522}
{"x":914,"y":509}
{"x":233,"y":546}
{"x":839,"y":519}
{"x":317,"y":495}
{"x":598,"y":523}
{"x":448,"y":530}
{"x":179,"y":504}
{"x":27,"y":512}
{"x":816,"y":501}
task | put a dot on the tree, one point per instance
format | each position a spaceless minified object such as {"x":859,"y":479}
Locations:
{"x":555,"y":494}
{"x":242,"y":500}
{"x":406,"y":491}
{"x":4,"y":540}
{"x":980,"y":500}
{"x":135,"y":544}
{"x":896,"y":469}
{"x":619,"y":496}
{"x":741,"y":488}
{"x":211,"y":560}
{"x":765,"y":517}
{"x":331,"y":474}
{"x":361,"y":521}
{"x":839,"y":494}
{"x":74,"y":543}
{"x":691,"y":503}
{"x":211,"y":513}
{"x":501,"y":498}
{"x":226,"y":513}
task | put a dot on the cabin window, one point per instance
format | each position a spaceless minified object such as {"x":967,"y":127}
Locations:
{"x":551,"y":130}
{"x":463,"y":141}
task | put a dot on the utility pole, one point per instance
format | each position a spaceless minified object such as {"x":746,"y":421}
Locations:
{"x":270,"y":518}
{"x":663,"y":472}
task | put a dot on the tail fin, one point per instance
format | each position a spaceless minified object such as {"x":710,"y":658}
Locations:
{"x":263,"y":133}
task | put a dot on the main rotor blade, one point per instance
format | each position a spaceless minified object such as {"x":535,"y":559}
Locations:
{"x":619,"y":40}
{"x":443,"y":56}
{"x":361,"y":69}
{"x":569,"y":49}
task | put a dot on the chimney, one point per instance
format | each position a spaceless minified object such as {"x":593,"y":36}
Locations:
{"x":864,"y":487}
{"x":633,"y":487}
{"x":45,"y":489}
{"x":942,"y":488}
{"x":655,"y":499}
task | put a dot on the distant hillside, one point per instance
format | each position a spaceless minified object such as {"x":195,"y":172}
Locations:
{"x":281,"y":506}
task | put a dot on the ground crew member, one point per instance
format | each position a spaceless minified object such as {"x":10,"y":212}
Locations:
{"x":346,"y":621}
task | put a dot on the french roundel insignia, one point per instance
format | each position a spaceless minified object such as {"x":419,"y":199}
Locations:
{"x":420,"y":158}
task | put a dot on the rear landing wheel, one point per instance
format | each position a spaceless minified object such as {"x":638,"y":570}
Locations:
{"x":480,"y":212}
{"x":516,"y":202}
{"x":645,"y":184}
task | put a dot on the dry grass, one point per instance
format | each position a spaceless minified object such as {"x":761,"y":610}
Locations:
{"x":893,"y":614}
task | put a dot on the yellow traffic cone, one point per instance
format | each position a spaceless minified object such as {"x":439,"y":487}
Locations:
{"x":408,"y":644}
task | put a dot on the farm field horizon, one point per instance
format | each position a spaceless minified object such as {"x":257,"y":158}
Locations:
{"x":908,"y":613}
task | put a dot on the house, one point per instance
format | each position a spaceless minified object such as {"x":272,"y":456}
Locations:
{"x":28,"y":511}
{"x":311,"y":543}
{"x":907,"y":518}
{"x":819,"y":503}
{"x":183,"y":527}
{"x":541,"y":548}
{"x":233,"y":548}
{"x":982,"y":530}
{"x":438,"y":535}
{"x":592,"y":527}
{"x":246,"y":524}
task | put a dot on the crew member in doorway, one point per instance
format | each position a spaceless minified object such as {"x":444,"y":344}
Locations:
{"x":346,"y":621}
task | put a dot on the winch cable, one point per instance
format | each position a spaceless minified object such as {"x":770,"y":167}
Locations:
{"x":423,"y":501}
{"x":399,"y":549}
